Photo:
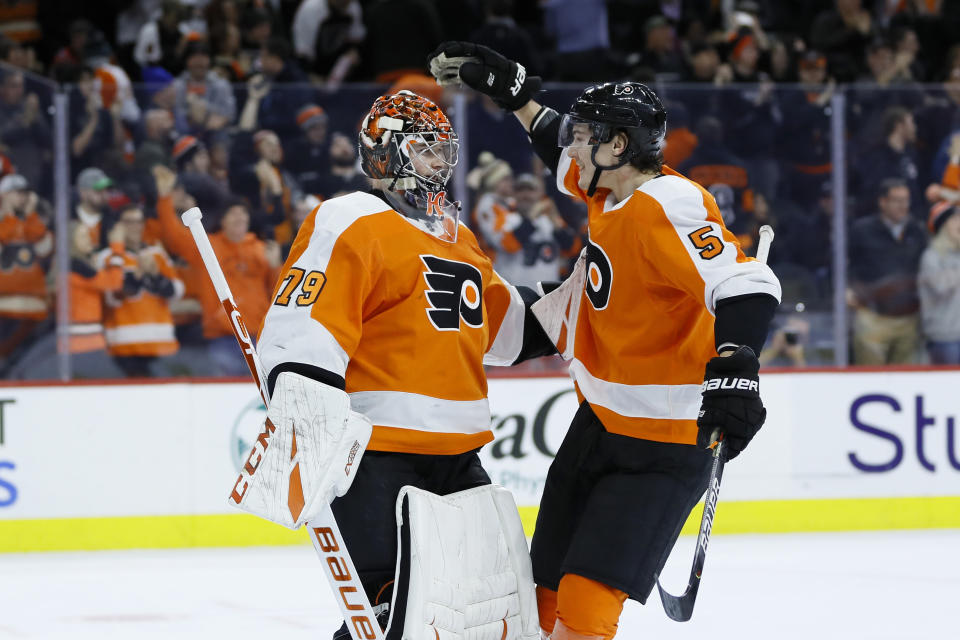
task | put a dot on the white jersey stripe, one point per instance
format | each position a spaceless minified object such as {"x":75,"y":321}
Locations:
{"x":509,"y":340}
{"x":658,"y":401}
{"x":138,"y":333}
{"x":723,"y":277}
{"x":422,"y":413}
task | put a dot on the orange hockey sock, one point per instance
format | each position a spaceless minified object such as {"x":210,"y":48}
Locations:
{"x":547,"y":607}
{"x":587,"y":608}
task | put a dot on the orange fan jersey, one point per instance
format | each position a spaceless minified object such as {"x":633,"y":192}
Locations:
{"x":407,"y":319}
{"x":141,"y":324}
{"x":23,"y":286}
{"x":657,"y":263}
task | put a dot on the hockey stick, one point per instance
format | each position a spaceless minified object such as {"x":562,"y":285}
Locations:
{"x":323,"y":530}
{"x":680,"y":608}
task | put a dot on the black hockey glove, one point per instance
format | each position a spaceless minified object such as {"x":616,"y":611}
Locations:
{"x":731,"y":402}
{"x":484,"y":70}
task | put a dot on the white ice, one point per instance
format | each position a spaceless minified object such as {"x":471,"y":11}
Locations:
{"x":871,"y":586}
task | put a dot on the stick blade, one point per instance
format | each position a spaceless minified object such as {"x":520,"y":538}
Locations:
{"x":679,"y":608}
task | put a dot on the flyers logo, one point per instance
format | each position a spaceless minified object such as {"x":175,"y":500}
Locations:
{"x":599,"y":276}
{"x":455,"y":293}
{"x":435,"y":203}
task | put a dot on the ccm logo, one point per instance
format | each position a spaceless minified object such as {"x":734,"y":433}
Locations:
{"x":253,"y":461}
{"x":351,"y":456}
{"x":328,"y":544}
{"x":744,"y":384}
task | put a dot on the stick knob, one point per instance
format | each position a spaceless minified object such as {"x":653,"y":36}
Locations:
{"x":193,"y":215}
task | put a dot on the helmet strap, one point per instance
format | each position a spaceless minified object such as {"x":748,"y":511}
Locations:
{"x":599,"y":168}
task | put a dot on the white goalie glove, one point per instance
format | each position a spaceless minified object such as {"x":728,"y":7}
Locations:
{"x":306,"y":455}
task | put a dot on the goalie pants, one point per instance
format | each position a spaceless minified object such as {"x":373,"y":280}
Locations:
{"x":613,"y":506}
{"x":366,"y":515}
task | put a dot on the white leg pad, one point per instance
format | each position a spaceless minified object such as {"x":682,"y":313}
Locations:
{"x":470,"y":576}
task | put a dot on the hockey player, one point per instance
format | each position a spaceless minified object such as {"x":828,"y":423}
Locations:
{"x":386,"y":296}
{"x":662,"y":301}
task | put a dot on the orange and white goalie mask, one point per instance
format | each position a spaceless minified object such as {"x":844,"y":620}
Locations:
{"x":409,"y":149}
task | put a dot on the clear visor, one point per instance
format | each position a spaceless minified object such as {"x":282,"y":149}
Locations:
{"x":431,"y":156}
{"x":576,"y":132}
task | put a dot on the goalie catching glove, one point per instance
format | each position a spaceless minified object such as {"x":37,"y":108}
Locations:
{"x":731,"y":402}
{"x":306,"y":455}
{"x":484,"y":70}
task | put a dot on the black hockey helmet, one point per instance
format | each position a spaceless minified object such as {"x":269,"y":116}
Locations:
{"x":630,"y":107}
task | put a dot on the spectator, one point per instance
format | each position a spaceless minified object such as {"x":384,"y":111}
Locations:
{"x":388,"y":57}
{"x":308,"y":159}
{"x":160,"y":91}
{"x":162,"y":41}
{"x":257,"y":27}
{"x":92,"y":185}
{"x":95,"y":130}
{"x":895,"y":156}
{"x":229,"y":59}
{"x":752,"y":114}
{"x":24,"y":131}
{"x":81,"y":33}
{"x":806,"y":132}
{"x":786,"y":346}
{"x":500,"y":229}
{"x":551,"y":244}
{"x":581,"y":32}
{"x":940,"y":120}
{"x":500,"y":32}
{"x":268,"y":188}
{"x":328,"y":36}
{"x":192,"y":161}
{"x":301,"y":210}
{"x":25,"y":245}
{"x":250,"y":265}
{"x":204,"y":100}
{"x":87,"y":344}
{"x":660,"y":58}
{"x":287,"y":90}
{"x":725,"y":176}
{"x":842,"y":33}
{"x":344,"y":171}
{"x":155,"y":148}
{"x":884,"y":253}
{"x":809,"y":232}
{"x":704,"y":62}
{"x":939,"y":284}
{"x":138,"y":323}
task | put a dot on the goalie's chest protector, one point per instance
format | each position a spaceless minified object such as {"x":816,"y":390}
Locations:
{"x":645,"y":328}
{"x":404,"y":317}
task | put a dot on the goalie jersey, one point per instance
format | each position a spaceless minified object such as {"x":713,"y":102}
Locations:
{"x":657,"y":264}
{"x":404,"y":320}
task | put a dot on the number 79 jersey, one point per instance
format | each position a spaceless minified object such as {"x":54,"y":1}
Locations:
{"x":406,"y":319}
{"x":658,"y":263}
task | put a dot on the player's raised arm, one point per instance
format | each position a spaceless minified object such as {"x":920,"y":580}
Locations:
{"x":508,"y":85}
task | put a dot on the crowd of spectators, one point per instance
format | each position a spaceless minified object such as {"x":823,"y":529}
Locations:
{"x":249,"y":109}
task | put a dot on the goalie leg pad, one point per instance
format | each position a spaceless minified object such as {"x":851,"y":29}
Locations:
{"x":307,"y":454}
{"x":464,"y":570}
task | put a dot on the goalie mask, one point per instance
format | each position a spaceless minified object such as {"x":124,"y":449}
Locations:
{"x":409,"y":149}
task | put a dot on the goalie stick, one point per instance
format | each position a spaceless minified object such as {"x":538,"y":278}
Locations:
{"x":323,"y":529}
{"x":680,"y":608}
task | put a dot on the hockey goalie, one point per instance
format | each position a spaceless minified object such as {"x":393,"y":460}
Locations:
{"x":374,"y":347}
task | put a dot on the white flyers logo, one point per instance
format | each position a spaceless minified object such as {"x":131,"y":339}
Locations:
{"x":518,"y":83}
{"x":622,"y":90}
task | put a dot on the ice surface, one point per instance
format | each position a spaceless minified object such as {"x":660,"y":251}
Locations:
{"x":901,"y":585}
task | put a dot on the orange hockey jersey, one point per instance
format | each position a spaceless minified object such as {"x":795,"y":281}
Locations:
{"x":24,"y":242}
{"x":141,"y":324}
{"x":657,"y":264}
{"x":408,"y":320}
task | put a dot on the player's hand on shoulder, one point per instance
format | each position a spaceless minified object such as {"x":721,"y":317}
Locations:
{"x":731,"y":402}
{"x":484,"y":70}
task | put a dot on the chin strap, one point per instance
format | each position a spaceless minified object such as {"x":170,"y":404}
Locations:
{"x":598,"y":169}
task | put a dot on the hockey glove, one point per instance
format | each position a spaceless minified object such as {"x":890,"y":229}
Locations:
{"x":731,"y":402}
{"x":484,"y":70}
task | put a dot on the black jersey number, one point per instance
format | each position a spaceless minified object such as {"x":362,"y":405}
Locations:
{"x":310,"y":284}
{"x":709,"y":246}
